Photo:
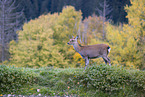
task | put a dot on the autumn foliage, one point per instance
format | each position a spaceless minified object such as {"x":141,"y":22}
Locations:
{"x":128,"y":40}
{"x":43,"y":41}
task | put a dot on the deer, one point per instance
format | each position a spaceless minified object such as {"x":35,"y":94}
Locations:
{"x":91,"y":51}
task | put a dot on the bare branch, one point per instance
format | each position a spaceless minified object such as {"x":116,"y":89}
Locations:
{"x":99,"y":11}
{"x":104,"y":9}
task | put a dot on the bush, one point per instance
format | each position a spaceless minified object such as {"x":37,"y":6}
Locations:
{"x":12,"y":79}
{"x":61,"y":85}
{"x":95,"y":81}
{"x":100,"y":80}
{"x":114,"y":80}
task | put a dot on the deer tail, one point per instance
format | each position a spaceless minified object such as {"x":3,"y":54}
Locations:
{"x":108,"y":48}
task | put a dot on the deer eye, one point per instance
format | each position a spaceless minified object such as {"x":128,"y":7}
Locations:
{"x":72,"y":41}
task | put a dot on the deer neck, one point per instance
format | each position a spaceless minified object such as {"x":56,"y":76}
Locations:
{"x":77,"y":47}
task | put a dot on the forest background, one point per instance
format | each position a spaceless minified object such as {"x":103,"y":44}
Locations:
{"x":34,"y":33}
{"x":36,"y":60}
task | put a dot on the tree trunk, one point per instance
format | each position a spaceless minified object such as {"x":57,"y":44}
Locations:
{"x":3,"y":31}
{"x":104,"y":15}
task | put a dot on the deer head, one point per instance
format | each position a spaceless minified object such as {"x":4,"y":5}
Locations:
{"x":73,"y":41}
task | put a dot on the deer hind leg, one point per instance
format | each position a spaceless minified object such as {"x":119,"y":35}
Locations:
{"x":107,"y":60}
{"x":86,"y":62}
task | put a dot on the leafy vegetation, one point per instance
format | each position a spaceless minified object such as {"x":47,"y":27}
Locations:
{"x":43,"y":41}
{"x":12,"y":79}
{"x":97,"y":80}
{"x":42,"y":46}
{"x":128,"y":41}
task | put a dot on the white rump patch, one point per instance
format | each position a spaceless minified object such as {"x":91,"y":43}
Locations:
{"x":109,"y":49}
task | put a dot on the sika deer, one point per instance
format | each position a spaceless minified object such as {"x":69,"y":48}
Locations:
{"x":91,"y":51}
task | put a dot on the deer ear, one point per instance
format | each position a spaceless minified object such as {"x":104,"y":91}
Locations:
{"x":77,"y":37}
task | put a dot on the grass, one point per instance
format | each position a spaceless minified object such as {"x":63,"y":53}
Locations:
{"x":100,"y":80}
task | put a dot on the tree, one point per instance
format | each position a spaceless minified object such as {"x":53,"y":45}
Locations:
{"x":35,"y":8}
{"x":128,"y":40}
{"x":66,"y":25}
{"x":104,"y":11}
{"x":43,"y":41}
{"x":10,"y":22}
{"x":35,"y":46}
{"x":136,"y":16}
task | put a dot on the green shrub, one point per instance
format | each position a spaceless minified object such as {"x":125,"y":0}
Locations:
{"x":12,"y":79}
{"x":46,"y":91}
{"x":113,"y":80}
{"x":60,"y":85}
{"x":95,"y":81}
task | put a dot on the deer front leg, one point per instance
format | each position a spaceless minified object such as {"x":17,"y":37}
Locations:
{"x":106,"y":59}
{"x":86,"y":62}
{"x":109,"y":61}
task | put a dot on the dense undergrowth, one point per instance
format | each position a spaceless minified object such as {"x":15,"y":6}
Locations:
{"x":97,"y":80}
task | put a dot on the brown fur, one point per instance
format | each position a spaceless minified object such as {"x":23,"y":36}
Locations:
{"x":91,"y":51}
